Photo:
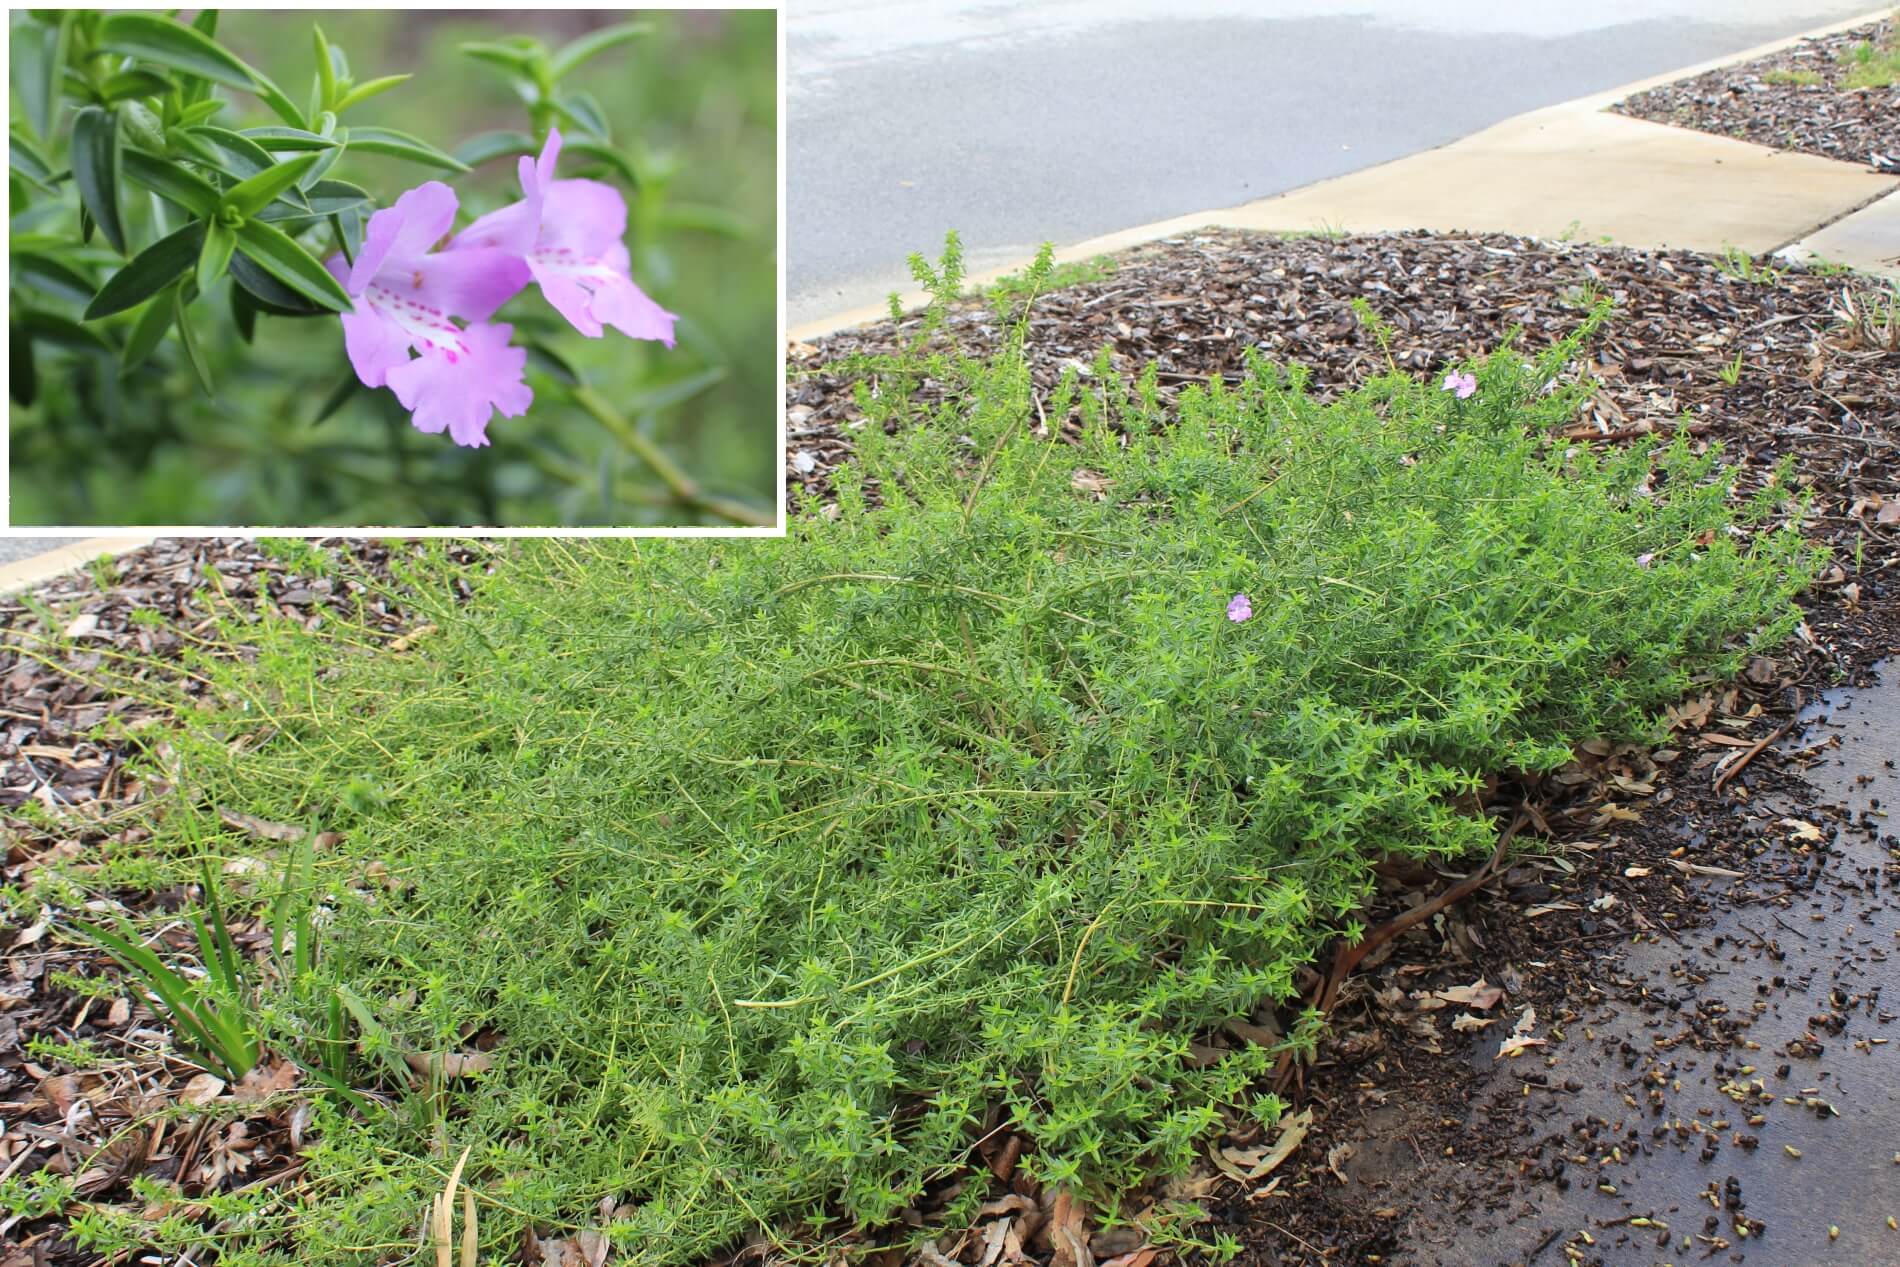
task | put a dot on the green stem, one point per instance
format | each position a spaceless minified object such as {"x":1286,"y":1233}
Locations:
{"x":685,"y":490}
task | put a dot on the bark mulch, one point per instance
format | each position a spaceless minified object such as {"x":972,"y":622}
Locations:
{"x":1793,"y":100}
{"x":132,"y":1108}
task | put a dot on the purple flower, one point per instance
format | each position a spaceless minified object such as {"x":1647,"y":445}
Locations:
{"x":1644,"y":560}
{"x":1463,"y":384}
{"x":456,"y":392}
{"x":568,"y":232}
{"x":407,"y":297}
{"x":1240,"y":608}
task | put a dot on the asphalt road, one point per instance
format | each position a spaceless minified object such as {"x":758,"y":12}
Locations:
{"x":1061,"y":120}
{"x":15,"y":548}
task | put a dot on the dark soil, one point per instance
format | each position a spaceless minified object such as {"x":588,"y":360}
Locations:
{"x":1793,"y":100}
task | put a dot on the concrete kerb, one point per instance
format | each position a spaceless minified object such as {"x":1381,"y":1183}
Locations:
{"x":24,"y":574}
{"x":1800,"y":192}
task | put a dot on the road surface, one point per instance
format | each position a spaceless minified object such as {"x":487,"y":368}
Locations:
{"x":1066,"y":119}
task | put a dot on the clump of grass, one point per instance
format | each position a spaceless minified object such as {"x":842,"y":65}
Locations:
{"x":1871,"y":64}
{"x":1797,"y":78}
{"x":775,"y":871}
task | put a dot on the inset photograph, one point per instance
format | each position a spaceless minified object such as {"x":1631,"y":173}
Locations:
{"x":510,"y":269}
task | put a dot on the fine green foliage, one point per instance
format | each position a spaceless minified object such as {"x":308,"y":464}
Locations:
{"x":767,"y":868}
{"x":1012,"y":288}
{"x":1872,"y":65}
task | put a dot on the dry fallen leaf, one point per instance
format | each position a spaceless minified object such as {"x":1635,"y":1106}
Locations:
{"x":1803,"y":830}
{"x":1517,"y":1045}
{"x":202,"y":1090}
{"x":265,"y":1081}
{"x":1479,"y":994}
{"x":1467,"y":1023}
{"x":452,"y":1065}
{"x":1250,"y":1164}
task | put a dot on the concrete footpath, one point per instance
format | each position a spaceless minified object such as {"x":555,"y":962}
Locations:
{"x":30,"y":565}
{"x":1572,"y":170}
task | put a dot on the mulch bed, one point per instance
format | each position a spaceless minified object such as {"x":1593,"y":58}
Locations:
{"x":1809,"y":386}
{"x":1792,"y":100}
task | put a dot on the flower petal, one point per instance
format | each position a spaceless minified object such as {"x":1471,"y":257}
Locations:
{"x":376,"y":344}
{"x":468,"y":284}
{"x":582,"y":216}
{"x":457,"y":394}
{"x":398,"y":236}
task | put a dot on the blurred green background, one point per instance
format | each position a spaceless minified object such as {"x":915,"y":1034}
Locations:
{"x":691,"y":106}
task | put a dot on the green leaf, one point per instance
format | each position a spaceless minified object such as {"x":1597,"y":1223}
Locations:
{"x":338,"y":395}
{"x":585,"y":112}
{"x":220,"y":241}
{"x":706,"y":219}
{"x":142,"y":127}
{"x":23,"y":380}
{"x":53,"y":276}
{"x":95,"y":154}
{"x":170,"y":180}
{"x":148,"y":331}
{"x":363,"y":92}
{"x":325,"y":198}
{"x":134,"y":83}
{"x":51,"y":327}
{"x":268,"y":294}
{"x":507,"y":56}
{"x":189,"y":341}
{"x":326,"y":70}
{"x":595,"y":42}
{"x":402,"y":145}
{"x":39,"y":59}
{"x":279,"y":140}
{"x":25,"y":158}
{"x":160,"y":39}
{"x":605,"y":154}
{"x":244,"y":312}
{"x":488,"y":146}
{"x":274,"y":252}
{"x":254,"y":194}
{"x":198,"y":112}
{"x":149,"y":272}
{"x":245,"y":157}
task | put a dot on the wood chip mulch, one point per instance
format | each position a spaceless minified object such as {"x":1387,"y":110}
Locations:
{"x":1792,"y":100}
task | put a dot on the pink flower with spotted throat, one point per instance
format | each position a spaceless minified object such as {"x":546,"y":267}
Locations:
{"x":1461,"y":384}
{"x":564,"y":235}
{"x":408,"y":298}
{"x":568,"y":232}
{"x":1240,"y":608}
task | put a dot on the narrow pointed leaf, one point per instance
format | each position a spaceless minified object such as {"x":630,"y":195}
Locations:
{"x":53,"y":276}
{"x":489,"y":146}
{"x":596,"y":42}
{"x":326,"y":70}
{"x":147,"y":332}
{"x":279,"y":140}
{"x":274,"y":252}
{"x":270,"y":295}
{"x":244,"y":313}
{"x":402,"y":145}
{"x":254,"y":194}
{"x":95,"y":153}
{"x":605,"y":154}
{"x":324,"y":198}
{"x":363,"y":92}
{"x":134,"y":83}
{"x":220,"y":241}
{"x":51,"y":327}
{"x":507,"y":56}
{"x":585,"y":112}
{"x":160,"y":39}
{"x":338,"y":395}
{"x":39,"y":58}
{"x":243,"y":156}
{"x":23,"y":380}
{"x":149,"y":272}
{"x":171,"y":181}
{"x":25,"y":158}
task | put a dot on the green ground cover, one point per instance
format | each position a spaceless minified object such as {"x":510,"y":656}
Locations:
{"x":760,"y":870}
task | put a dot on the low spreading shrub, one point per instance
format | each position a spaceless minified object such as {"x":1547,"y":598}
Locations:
{"x":768,"y":874}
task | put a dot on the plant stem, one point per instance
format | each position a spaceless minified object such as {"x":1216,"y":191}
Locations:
{"x":686,"y":491}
